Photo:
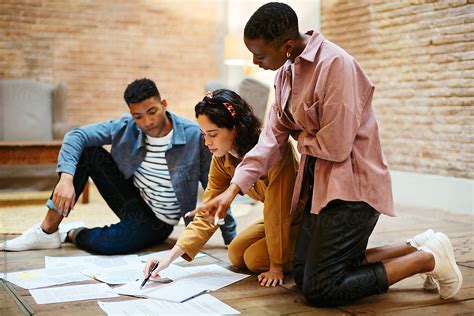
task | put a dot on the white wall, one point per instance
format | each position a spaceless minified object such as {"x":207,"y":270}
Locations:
{"x":433,"y":191}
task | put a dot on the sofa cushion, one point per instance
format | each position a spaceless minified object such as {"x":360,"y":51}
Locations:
{"x":26,"y":110}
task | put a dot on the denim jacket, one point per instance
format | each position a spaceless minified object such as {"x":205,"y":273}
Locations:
{"x":187,"y":157}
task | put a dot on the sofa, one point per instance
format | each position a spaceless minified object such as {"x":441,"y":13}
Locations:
{"x":31,"y":111}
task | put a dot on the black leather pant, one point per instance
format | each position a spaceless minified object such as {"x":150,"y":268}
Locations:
{"x":330,"y":265}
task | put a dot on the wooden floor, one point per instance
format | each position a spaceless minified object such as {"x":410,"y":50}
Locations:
{"x":404,"y":298}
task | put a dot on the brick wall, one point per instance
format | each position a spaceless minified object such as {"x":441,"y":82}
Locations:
{"x":420,"y":56}
{"x":98,"y":47}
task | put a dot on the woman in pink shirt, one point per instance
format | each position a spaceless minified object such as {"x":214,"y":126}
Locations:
{"x":324,"y":100}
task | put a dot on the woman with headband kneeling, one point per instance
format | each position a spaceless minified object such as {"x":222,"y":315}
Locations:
{"x":230,"y":130}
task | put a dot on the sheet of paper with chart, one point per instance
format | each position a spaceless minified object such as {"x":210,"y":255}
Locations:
{"x":202,"y":305}
{"x":32,"y":279}
{"x":72,"y":293}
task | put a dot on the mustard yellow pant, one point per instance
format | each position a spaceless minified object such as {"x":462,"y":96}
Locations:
{"x":249,"y":249}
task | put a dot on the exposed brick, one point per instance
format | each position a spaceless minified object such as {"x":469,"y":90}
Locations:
{"x":98,"y":47}
{"x":420,"y":56}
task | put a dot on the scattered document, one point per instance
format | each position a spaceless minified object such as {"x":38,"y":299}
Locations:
{"x":187,"y":282}
{"x":213,"y":276}
{"x":72,"y":293}
{"x":116,"y":275}
{"x":33,"y":279}
{"x":173,"y":272}
{"x":164,"y":253}
{"x":133,"y":288}
{"x":202,"y":305}
{"x":177,"y":291}
{"x":93,"y":262}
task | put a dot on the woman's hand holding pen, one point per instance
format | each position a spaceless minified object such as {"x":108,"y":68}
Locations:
{"x":163,"y":264}
{"x":272,"y":277}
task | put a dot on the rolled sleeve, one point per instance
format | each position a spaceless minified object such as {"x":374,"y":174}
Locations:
{"x":80,"y":138}
{"x":195,"y":236}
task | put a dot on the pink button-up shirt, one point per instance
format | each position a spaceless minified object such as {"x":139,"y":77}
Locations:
{"x":331,"y":107}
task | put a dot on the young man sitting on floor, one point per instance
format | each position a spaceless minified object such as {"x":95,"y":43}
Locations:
{"x":149,"y":179}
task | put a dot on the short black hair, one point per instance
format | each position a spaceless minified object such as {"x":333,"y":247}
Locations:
{"x":139,"y":90}
{"x":273,"y":22}
{"x":247,"y":125}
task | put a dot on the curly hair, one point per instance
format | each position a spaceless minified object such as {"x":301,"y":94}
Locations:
{"x":240,"y":115}
{"x":139,"y":90}
{"x":273,"y":22}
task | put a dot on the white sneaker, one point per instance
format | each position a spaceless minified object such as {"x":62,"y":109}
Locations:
{"x":420,"y":239}
{"x":429,"y":284}
{"x":33,"y":238}
{"x":65,"y":228}
{"x":417,"y":242}
{"x":446,"y":271}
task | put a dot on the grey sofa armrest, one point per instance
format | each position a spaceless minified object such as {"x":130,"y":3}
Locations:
{"x":61,"y":124}
{"x":61,"y":128}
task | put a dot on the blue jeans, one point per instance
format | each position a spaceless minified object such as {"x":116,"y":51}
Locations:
{"x":138,"y":227}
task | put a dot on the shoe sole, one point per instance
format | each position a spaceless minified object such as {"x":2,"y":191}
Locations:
{"x":448,"y":247}
{"x":27,"y":248}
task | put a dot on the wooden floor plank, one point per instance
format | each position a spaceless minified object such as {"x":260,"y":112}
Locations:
{"x":277,"y":304}
{"x":408,"y":294}
{"x":404,"y":298}
{"x":456,"y":308}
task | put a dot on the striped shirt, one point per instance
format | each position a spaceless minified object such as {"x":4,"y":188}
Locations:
{"x":152,"y":179}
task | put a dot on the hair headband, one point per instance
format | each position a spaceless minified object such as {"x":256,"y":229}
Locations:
{"x":209,"y":98}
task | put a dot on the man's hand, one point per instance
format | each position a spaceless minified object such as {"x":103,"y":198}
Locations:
{"x":64,"y":195}
{"x":272,"y":277}
{"x":216,"y":208}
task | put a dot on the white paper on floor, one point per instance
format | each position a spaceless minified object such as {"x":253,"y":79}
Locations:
{"x":116,"y":275}
{"x":72,"y":293}
{"x":32,"y":279}
{"x":164,"y":253}
{"x":95,"y":262}
{"x":192,"y":281}
{"x":202,"y":305}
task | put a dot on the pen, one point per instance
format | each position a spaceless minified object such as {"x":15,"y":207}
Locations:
{"x":149,"y":275}
{"x":194,"y":296}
